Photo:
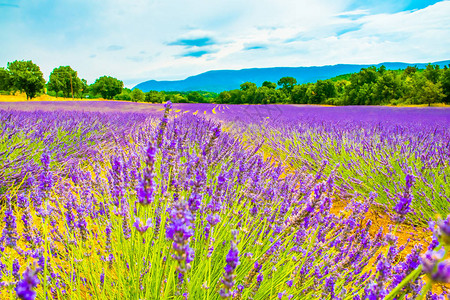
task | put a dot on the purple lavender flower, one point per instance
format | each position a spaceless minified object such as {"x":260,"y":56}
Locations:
{"x":46,"y":177}
{"x":22,"y":201}
{"x":16,"y":269}
{"x":140,"y":226}
{"x":232,"y":260}
{"x":168,"y":105}
{"x":146,"y":187}
{"x":444,"y":229}
{"x":329,"y":286}
{"x":289,"y":283}
{"x":10,"y":230}
{"x":25,"y":287}
{"x":180,"y":232}
{"x":163,"y":124}
{"x":403,"y":206}
{"x":102,"y":279}
{"x":434,"y":265}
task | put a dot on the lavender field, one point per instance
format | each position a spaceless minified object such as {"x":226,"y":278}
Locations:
{"x":117,"y":200}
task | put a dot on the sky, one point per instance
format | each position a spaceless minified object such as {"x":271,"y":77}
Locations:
{"x":139,"y":40}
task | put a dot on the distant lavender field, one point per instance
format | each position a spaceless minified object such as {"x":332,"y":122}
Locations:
{"x":146,"y":201}
{"x":254,"y":113}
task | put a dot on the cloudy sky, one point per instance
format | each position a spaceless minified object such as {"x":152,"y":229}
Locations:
{"x":138,"y":40}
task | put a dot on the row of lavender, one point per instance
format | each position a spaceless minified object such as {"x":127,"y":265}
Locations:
{"x":134,"y":206}
{"x":369,"y":149}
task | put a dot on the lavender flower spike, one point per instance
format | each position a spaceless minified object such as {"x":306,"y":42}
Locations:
{"x":146,"y":188}
{"x":25,"y":287}
{"x":403,"y":206}
{"x":232,"y":260}
{"x":180,"y":232}
{"x":436,"y":268}
{"x":444,"y":229}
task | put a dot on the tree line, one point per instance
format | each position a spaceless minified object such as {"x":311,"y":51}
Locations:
{"x":26,"y":77}
{"x":370,"y":86}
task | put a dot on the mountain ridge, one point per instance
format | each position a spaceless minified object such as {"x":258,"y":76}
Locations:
{"x":222,"y":80}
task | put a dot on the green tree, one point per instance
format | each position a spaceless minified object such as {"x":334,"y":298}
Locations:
{"x":195,"y":97}
{"x":323,"y":90}
{"x":124,"y":95}
{"x":26,"y":77}
{"x":410,"y":70}
{"x":137,"y":95}
{"x":5,"y":80}
{"x":388,"y":87}
{"x":298,"y":95}
{"x":155,"y":97}
{"x":224,"y":97}
{"x":247,"y":86}
{"x":66,"y":80}
{"x":270,"y":85}
{"x":248,"y":93}
{"x":360,"y":89}
{"x":84,"y":88}
{"x":445,"y":81}
{"x":176,"y":98}
{"x":287,"y":84}
{"x":107,"y":87}
{"x":424,"y":91}
{"x":432,"y":73}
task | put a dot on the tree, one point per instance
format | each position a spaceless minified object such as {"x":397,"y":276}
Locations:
{"x":287,"y":84}
{"x":155,"y":97}
{"x":84,"y":88}
{"x":107,"y":87}
{"x":124,"y":95}
{"x":270,"y":85}
{"x":137,"y":95}
{"x":176,"y":98}
{"x":410,"y":70}
{"x":195,"y":97}
{"x":432,"y":73}
{"x":66,"y":80}
{"x":224,"y":97}
{"x":247,"y":86}
{"x":388,"y":87}
{"x":445,"y":81}
{"x":299,"y":94}
{"x":26,"y":77}
{"x":5,"y":80}
{"x":323,"y":90}
{"x":425,"y":91}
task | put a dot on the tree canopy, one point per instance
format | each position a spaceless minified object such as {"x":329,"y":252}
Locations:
{"x":5,"y":80}
{"x":26,"y":77}
{"x":107,"y":87}
{"x":66,"y":80}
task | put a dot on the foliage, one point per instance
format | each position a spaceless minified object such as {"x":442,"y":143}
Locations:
{"x":66,"y":80}
{"x":370,"y":86}
{"x":5,"y":80}
{"x":107,"y":87}
{"x":137,"y":95}
{"x":287,"y":84}
{"x":154,"y":97}
{"x":26,"y":77}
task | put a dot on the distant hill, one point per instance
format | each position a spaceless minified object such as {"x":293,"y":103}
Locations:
{"x":222,"y":80}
